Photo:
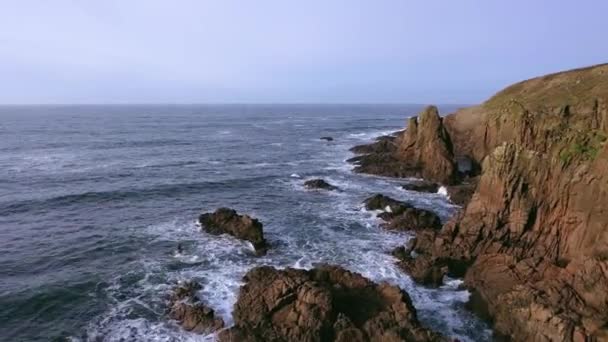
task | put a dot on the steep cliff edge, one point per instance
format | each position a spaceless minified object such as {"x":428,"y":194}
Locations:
{"x":535,"y":233}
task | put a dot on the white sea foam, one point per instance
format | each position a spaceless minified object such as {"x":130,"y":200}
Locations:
{"x":339,"y":231}
{"x":443,"y":191}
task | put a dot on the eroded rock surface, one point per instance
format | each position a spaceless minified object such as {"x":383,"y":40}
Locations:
{"x":400,"y":215}
{"x":326,"y":303}
{"x":228,"y":221}
{"x":187,"y":309}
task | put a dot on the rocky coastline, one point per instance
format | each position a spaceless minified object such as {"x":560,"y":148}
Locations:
{"x":531,"y":239}
{"x":528,"y":168}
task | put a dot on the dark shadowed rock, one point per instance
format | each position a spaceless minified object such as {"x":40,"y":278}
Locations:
{"x":421,"y":186}
{"x":326,"y":303}
{"x":400,"y":215}
{"x":462,"y":193}
{"x":385,"y":203}
{"x":319,"y":184}
{"x":187,"y":309}
{"x":227,"y":221}
{"x":327,"y":138}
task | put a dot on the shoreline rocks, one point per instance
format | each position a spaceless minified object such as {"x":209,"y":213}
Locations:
{"x":421,"y":186}
{"x":327,"y":303}
{"x":400,"y":215}
{"x":244,"y":227}
{"x":187,"y":309}
{"x":319,"y":184}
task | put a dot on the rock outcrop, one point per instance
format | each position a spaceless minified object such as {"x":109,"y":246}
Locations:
{"x":421,"y":186}
{"x":187,"y":309}
{"x":228,"y":221}
{"x":316,"y":184}
{"x":326,"y":303}
{"x":424,"y":150}
{"x":533,"y":239}
{"x":400,"y":215}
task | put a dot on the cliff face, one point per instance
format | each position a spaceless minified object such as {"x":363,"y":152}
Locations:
{"x":427,"y":147}
{"x":423,"y":150}
{"x":535,"y":232}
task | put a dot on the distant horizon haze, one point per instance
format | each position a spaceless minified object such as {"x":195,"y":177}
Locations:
{"x":153,"y":52}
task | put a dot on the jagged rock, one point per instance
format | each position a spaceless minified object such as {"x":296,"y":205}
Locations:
{"x":227,"y":221}
{"x":326,"y":303}
{"x":412,"y":219}
{"x":400,"y":215}
{"x":423,"y":150}
{"x":427,"y":146}
{"x":383,"y":144}
{"x":421,"y":186}
{"x":187,"y":309}
{"x":319,"y":184}
{"x":385,"y":203}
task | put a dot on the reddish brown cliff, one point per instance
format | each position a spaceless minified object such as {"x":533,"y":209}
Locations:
{"x":536,"y":229}
{"x":422,"y":150}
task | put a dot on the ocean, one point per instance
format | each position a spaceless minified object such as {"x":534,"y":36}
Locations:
{"x":95,"y":199}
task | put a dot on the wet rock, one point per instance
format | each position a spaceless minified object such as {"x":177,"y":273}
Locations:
{"x":385,"y":203}
{"x":461,"y":194}
{"x":244,"y":227}
{"x":383,"y":144}
{"x":326,"y":303}
{"x":327,"y":138}
{"x":400,"y":215}
{"x":421,"y":186}
{"x":319,"y":184}
{"x":412,"y":219}
{"x":188,"y":310}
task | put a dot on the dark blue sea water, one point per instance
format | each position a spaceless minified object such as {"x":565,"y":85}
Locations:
{"x":95,"y":199}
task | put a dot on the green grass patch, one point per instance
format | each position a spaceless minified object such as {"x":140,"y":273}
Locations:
{"x":583,"y":147}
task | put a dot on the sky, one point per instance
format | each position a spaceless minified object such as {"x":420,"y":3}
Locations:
{"x":284,"y":51}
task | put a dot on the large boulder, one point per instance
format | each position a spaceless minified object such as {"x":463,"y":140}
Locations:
{"x":326,"y":303}
{"x":189,"y":311}
{"x":228,"y":221}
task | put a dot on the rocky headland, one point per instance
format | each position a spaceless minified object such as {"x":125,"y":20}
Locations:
{"x":532,"y":237}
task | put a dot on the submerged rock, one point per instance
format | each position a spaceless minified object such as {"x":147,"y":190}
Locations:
{"x":187,"y":309}
{"x":319,"y":184}
{"x":327,"y":138}
{"x":327,"y":303}
{"x":227,"y":221}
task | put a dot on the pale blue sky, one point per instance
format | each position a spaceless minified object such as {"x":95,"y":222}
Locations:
{"x":195,"y":51}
